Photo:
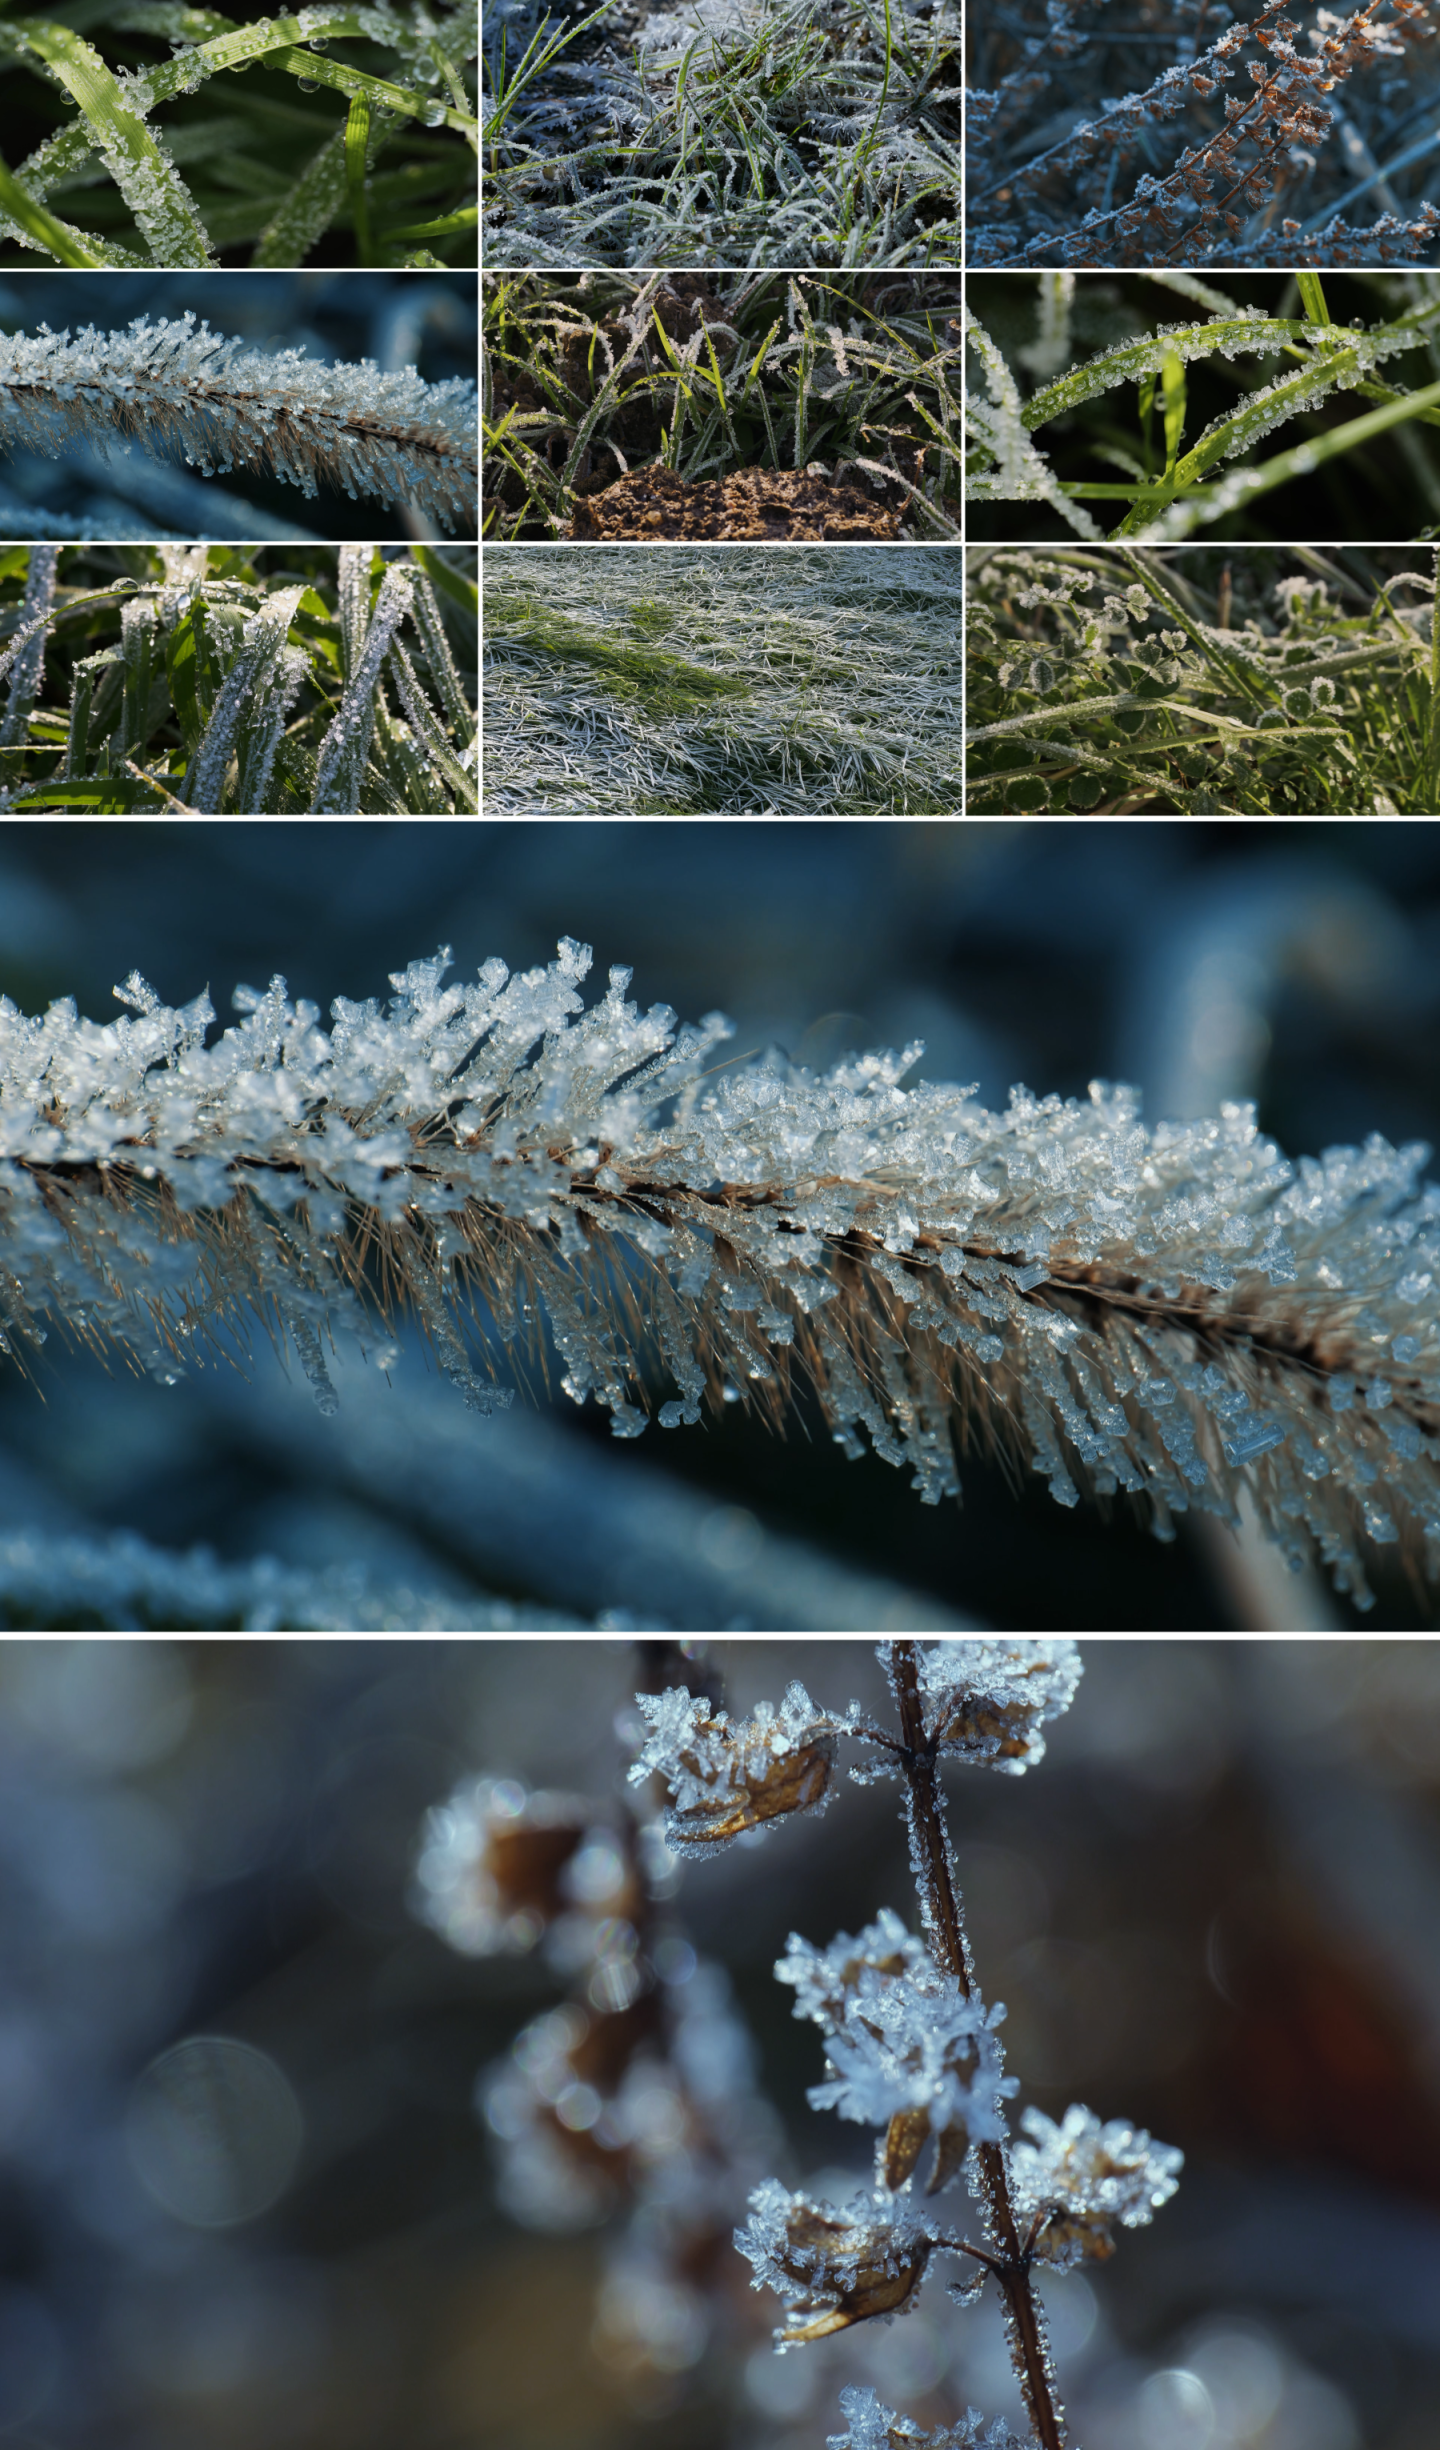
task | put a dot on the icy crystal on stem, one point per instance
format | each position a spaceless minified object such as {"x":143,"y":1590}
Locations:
{"x":1174,"y":1312}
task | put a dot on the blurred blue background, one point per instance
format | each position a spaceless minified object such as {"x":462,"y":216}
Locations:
{"x":1294,"y":964}
{"x":246,"y":2198}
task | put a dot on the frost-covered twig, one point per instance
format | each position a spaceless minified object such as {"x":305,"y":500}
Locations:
{"x":911,"y":2048}
{"x":1175,"y":1312}
{"x":188,"y":392}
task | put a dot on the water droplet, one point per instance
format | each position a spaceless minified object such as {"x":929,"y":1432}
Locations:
{"x":433,"y":115}
{"x":307,"y":85}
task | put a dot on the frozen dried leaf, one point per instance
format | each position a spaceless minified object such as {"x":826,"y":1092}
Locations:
{"x":831,"y":2268}
{"x":729,"y":1779}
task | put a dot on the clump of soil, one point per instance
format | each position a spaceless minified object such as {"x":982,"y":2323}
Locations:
{"x":750,"y":506}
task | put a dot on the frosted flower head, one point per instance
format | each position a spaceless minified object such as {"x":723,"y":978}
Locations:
{"x":831,"y":2268}
{"x":727,"y":1779}
{"x":825,"y":1979}
{"x":906,"y":2051}
{"x":987,"y":1702}
{"x":1084,"y":2177}
{"x":870,"y":2425}
{"x":494,"y":1863}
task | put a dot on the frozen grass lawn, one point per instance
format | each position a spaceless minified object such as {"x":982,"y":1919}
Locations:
{"x":735,"y":133}
{"x":594,"y":374}
{"x":1197,"y":681}
{"x":681,"y":680}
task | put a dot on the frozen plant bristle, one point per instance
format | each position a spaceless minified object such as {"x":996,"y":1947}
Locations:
{"x":181,"y":390}
{"x":1175,"y":1311}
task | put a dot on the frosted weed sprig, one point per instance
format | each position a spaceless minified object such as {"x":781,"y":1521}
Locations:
{"x":911,"y":2047}
{"x":1193,"y":491}
{"x":634,"y":2095}
{"x":1221,"y":199}
{"x":1154,"y":698}
{"x":1176,"y":1312}
{"x":191,"y":393}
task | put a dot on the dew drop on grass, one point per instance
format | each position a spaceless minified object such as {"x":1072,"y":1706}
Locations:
{"x":306,"y":85}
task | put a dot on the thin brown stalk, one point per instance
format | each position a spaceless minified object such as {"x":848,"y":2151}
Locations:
{"x":1011,"y":2253}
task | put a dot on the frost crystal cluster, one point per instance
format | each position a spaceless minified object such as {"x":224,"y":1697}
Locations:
{"x":872,"y":2426}
{"x":913,"y":2051}
{"x":1172,"y":1312}
{"x":908,"y":2051}
{"x":187,"y":391}
{"x":1078,"y":2178}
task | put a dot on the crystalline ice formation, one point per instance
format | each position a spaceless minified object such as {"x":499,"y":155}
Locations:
{"x":729,"y":1780}
{"x":181,"y":390}
{"x":1168,"y":1311}
{"x":1089,"y":2176}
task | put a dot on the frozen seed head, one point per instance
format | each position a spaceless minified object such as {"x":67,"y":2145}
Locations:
{"x":907,"y":2051}
{"x":987,"y":1702}
{"x":1078,"y":2178}
{"x":496,"y":1864}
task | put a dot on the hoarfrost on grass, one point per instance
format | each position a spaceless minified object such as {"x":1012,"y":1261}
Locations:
{"x":825,"y":682}
{"x":1173,"y":1311}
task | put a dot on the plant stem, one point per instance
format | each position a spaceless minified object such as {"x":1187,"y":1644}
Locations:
{"x":940,"y":1908}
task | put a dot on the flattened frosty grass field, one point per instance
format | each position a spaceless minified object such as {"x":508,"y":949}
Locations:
{"x":816,"y":680}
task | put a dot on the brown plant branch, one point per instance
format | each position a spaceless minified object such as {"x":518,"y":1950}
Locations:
{"x":940,"y":1912}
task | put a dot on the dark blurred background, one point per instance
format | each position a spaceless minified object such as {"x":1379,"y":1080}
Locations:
{"x":1292,"y":963}
{"x":247,"y":2196}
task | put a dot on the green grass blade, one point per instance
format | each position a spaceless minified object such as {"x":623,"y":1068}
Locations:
{"x":301,"y":221}
{"x":357,"y":140}
{"x":66,"y":245}
{"x":154,"y":190}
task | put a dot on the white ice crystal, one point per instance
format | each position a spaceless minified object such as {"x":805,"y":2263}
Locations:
{"x":905,"y":2047}
{"x":1085,"y":2176}
{"x":903,"y":2043}
{"x":870,"y":2425}
{"x":824,"y":1978}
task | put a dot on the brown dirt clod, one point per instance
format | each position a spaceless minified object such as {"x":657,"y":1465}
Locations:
{"x":753,"y":505}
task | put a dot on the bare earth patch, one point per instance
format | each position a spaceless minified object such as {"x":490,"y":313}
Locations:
{"x":751,"y":506}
